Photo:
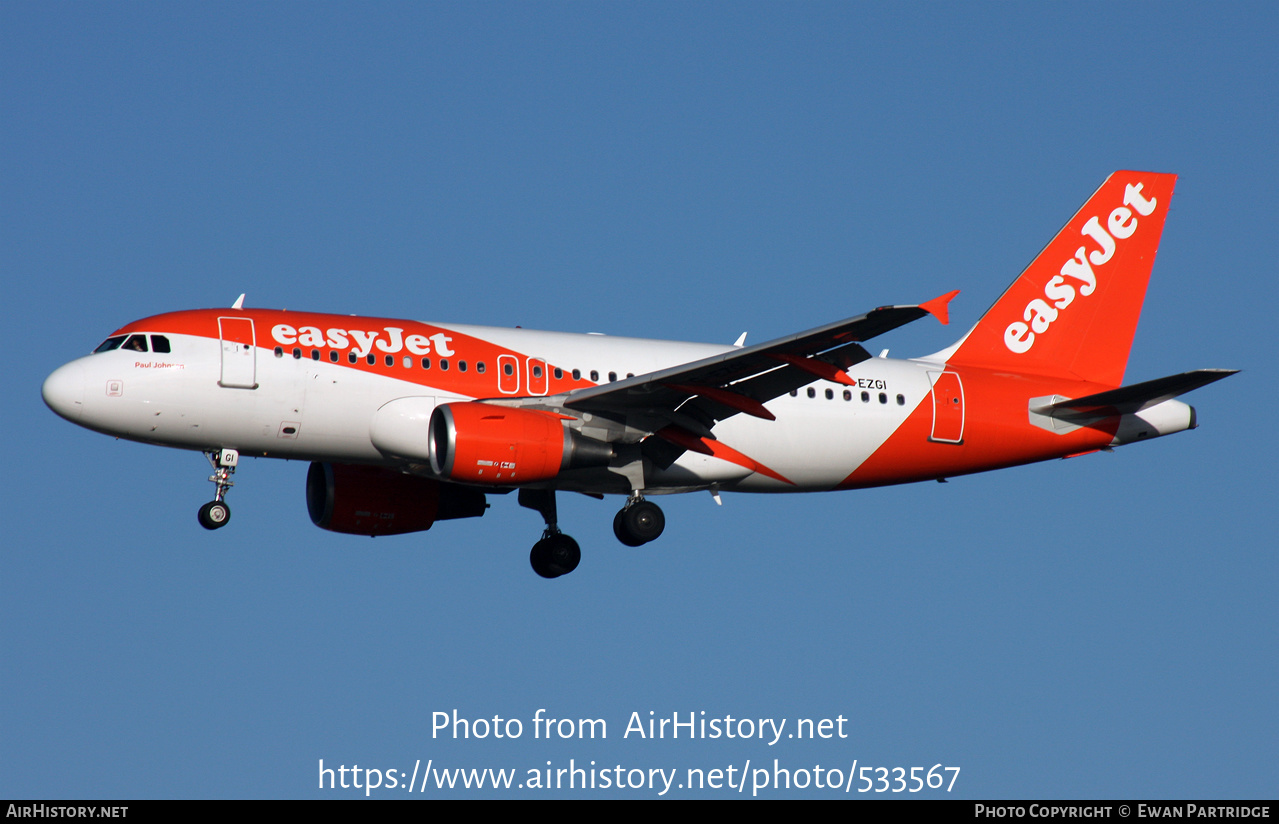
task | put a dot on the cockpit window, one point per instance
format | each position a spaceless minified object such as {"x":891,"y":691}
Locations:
{"x":135,"y":343}
{"x":109,"y":344}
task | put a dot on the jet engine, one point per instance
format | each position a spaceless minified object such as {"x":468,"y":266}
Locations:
{"x":481,"y":443}
{"x":369,"y":500}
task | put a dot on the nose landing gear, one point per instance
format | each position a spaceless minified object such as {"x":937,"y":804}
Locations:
{"x":216,"y":514}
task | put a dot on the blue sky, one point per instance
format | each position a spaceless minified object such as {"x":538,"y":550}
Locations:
{"x":1099,"y":627}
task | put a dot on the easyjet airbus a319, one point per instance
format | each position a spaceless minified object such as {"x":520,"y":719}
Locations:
{"x":408,"y":423}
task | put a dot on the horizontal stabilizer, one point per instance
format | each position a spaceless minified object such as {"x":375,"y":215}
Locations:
{"x":1130,"y":399}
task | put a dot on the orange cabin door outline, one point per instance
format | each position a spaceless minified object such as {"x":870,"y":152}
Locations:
{"x":239,"y":356}
{"x":948,"y":408}
{"x":537,"y":380}
{"x":508,"y":374}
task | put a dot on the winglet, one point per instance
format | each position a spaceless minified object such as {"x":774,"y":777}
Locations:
{"x":239,"y":302}
{"x":938,"y":307}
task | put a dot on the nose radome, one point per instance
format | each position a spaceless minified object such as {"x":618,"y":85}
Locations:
{"x":63,"y":391}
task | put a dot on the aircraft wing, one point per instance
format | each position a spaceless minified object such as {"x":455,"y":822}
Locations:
{"x":687,"y":400}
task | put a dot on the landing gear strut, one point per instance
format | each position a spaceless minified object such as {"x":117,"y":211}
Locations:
{"x":216,"y":514}
{"x":556,"y":554}
{"x":638,"y":522}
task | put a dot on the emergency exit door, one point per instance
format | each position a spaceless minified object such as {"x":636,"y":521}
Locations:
{"x":948,"y":408}
{"x":239,"y":355}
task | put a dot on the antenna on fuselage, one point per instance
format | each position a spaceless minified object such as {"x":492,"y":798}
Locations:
{"x":239,"y":302}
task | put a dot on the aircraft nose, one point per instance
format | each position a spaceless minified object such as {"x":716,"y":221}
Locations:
{"x":63,"y":391}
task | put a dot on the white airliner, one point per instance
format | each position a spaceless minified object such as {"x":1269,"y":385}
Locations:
{"x":407,"y":423}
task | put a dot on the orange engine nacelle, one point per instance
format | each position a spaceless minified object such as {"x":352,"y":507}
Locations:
{"x":368,"y":500}
{"x":486,"y":444}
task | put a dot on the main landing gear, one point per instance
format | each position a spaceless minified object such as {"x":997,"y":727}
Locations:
{"x":638,"y":522}
{"x":216,"y":514}
{"x":557,"y":554}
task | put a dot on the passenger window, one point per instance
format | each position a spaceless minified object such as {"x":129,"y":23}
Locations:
{"x":812,"y":393}
{"x":297,"y":353}
{"x":159,"y":343}
{"x":109,"y":344}
{"x":426,"y":363}
{"x":315,"y":354}
{"x":279,"y":351}
{"x":577,"y":374}
{"x":612,"y":376}
{"x":595,"y":376}
{"x":848,"y":396}
{"x":537,"y":371}
{"x":901,"y":400}
{"x":508,"y":369}
{"x":559,"y":373}
{"x":333,"y":355}
{"x":461,"y":366}
{"x":371,"y":359}
{"x":390,"y":360}
{"x":351,"y":357}
{"x":479,"y":367}
{"x":444,"y":364}
{"x":883,"y":398}
{"x":865,"y":397}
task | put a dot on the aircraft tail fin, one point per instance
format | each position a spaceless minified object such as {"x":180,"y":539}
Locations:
{"x":1074,"y":310}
